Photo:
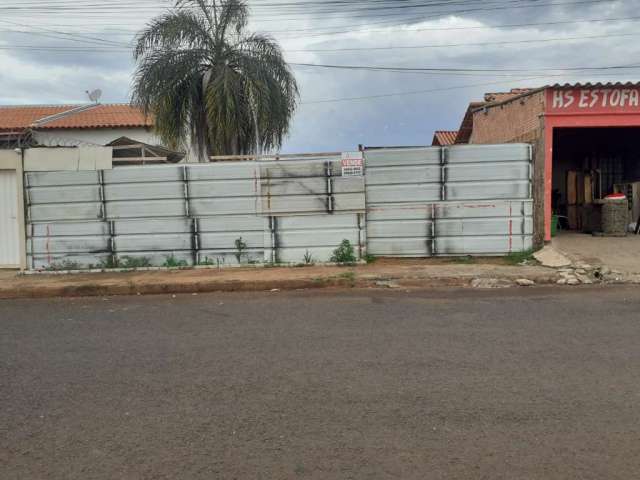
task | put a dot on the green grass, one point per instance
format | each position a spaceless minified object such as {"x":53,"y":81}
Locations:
{"x":369,"y":258}
{"x":517,"y":258}
{"x":349,"y":277}
{"x":173,"y":262}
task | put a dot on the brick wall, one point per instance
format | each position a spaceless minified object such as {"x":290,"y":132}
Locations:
{"x":520,"y":120}
{"x":515,"y":121}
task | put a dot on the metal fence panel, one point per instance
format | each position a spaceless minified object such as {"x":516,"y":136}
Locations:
{"x":419,"y":202}
{"x":487,"y":153}
{"x":403,"y":175}
{"x":210,"y":214}
{"x":61,"y":179}
{"x":163,"y":242}
{"x":388,"y":157}
{"x":225,"y":171}
{"x":488,"y":190}
{"x":487,"y":172}
{"x":66,"y":194}
{"x":460,"y":200}
{"x":314,"y":238}
{"x":146,"y":174}
{"x":222,"y":188}
{"x":483,"y":226}
{"x":143,"y":191}
{"x":387,"y":194}
{"x":485,"y":209}
{"x":400,"y":247}
{"x":145,"y":209}
{"x":68,"y":244}
{"x":58,"y":212}
{"x":483,"y":245}
{"x":201,"y":207}
{"x":68,"y":229}
{"x":151,"y":226}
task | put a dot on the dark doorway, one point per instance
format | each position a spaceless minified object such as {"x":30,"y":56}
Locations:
{"x":588,"y":164}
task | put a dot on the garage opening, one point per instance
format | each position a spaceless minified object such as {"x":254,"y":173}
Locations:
{"x":589,"y":164}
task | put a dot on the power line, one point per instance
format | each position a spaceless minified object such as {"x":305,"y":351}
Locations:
{"x":475,"y":44}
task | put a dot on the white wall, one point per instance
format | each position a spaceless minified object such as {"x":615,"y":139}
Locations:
{"x":67,"y":137}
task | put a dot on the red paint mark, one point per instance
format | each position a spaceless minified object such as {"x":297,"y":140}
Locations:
{"x":46,"y":244}
{"x":510,"y":229}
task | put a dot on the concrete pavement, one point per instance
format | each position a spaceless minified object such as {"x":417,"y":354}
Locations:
{"x":443,"y":384}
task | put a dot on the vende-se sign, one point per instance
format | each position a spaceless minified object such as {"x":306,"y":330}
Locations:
{"x":602,"y":100}
{"x":352,"y":164}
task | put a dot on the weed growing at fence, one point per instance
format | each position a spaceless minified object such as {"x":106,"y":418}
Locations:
{"x":308,"y":258}
{"x":241,"y":246}
{"x":173,"y":262}
{"x":206,"y":261}
{"x":521,"y":258}
{"x":109,"y":262}
{"x":370,"y":258}
{"x":345,"y":253}
{"x":124,"y":262}
{"x":135,"y":262}
{"x":64,"y":265}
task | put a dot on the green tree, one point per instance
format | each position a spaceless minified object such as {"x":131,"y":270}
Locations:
{"x":211,"y":84}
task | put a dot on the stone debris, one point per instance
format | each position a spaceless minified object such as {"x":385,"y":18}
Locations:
{"x":584,"y":279}
{"x":582,"y":273}
{"x":387,"y":284}
{"x":525,"y":282}
{"x":486,"y":283}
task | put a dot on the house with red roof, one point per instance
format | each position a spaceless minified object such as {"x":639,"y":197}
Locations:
{"x":73,"y":125}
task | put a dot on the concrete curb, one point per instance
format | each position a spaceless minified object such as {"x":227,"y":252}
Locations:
{"x":348,"y":279}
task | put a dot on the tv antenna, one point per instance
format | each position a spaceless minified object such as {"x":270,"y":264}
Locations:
{"x":94,"y":95}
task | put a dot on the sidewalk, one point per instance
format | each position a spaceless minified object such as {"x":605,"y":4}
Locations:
{"x":488,"y":273}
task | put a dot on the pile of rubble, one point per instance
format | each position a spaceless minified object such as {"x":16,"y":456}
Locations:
{"x":580,"y":274}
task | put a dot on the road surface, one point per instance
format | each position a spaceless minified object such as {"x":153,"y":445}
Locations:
{"x":373,"y":384}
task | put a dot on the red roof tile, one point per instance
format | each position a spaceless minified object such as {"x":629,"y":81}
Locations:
{"x":444,"y":137}
{"x":18,"y":118}
{"x":103,"y":116}
{"x":72,"y":116}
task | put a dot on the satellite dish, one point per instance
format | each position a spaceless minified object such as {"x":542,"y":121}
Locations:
{"x":94,"y":95}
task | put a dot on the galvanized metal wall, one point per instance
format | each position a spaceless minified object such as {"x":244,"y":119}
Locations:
{"x":460,"y":200}
{"x":197,"y":214}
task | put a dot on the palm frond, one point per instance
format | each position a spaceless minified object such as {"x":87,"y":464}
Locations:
{"x":210,"y":85}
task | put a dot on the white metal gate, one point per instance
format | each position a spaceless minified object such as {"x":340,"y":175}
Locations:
{"x":9,"y":233}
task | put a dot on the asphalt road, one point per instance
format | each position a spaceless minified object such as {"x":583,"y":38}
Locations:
{"x":510,"y":384}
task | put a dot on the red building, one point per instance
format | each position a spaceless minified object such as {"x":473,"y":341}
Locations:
{"x":584,"y":128}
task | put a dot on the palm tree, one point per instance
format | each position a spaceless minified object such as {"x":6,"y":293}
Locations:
{"x":210,"y":84}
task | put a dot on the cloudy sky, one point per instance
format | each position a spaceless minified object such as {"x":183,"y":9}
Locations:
{"x":52,"y":51}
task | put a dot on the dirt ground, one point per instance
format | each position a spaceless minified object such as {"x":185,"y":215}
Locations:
{"x":364,"y":384}
{"x":423,"y":273}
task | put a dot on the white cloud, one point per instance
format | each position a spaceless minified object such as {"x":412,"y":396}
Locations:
{"x":32,"y":76}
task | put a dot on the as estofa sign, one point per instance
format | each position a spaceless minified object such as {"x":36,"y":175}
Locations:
{"x":577,"y":100}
